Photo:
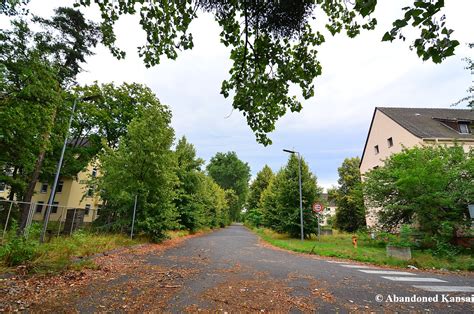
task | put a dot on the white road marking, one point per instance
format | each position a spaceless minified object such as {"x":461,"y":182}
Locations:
{"x":395,"y":278}
{"x":356,"y":266}
{"x":446,"y":288}
{"x":336,"y":262}
{"x":385,"y":272}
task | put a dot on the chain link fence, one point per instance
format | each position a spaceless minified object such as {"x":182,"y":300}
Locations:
{"x":63,"y":220}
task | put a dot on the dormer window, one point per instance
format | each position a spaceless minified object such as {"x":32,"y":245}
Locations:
{"x":463,"y":128}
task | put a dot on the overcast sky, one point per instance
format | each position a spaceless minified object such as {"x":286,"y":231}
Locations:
{"x":358,"y":75}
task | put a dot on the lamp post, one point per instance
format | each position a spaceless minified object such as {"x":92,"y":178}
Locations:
{"x":301,"y":192}
{"x":59,"y":165}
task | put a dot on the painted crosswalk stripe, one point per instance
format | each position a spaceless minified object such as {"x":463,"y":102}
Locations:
{"x":356,"y":266}
{"x":446,"y":288}
{"x":395,"y":278}
{"x":386,"y":272}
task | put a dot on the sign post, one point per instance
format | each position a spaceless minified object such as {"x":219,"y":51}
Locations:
{"x":318,"y":209}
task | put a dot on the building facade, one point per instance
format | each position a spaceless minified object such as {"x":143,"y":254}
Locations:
{"x":393,"y":129}
{"x":71,"y":193}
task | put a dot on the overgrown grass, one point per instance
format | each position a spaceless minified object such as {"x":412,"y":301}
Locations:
{"x":60,"y":253}
{"x":340,"y":245}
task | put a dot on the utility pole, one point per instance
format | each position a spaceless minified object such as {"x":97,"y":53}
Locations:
{"x":58,"y":167}
{"x":300,"y":188}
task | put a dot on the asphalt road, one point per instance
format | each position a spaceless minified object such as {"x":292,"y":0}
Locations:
{"x":237,"y":272}
{"x":231,"y":270}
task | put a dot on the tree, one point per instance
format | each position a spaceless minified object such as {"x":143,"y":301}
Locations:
{"x":191,"y":189}
{"x":143,"y":165}
{"x":424,"y":185}
{"x":36,"y":67}
{"x":230,"y":172}
{"x":272,"y":42}
{"x":281,"y":202}
{"x":349,"y":198}
{"x":261,"y":182}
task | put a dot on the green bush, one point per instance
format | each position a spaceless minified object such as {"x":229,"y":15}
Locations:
{"x":20,"y":248}
{"x":443,"y":246}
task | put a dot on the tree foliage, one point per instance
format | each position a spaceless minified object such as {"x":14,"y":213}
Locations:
{"x":349,"y":198}
{"x":280,"y":201}
{"x":273,"y":45}
{"x":258,"y":186}
{"x":143,"y":165}
{"x":230,"y":172}
{"x":423,"y":185}
{"x":36,"y":68}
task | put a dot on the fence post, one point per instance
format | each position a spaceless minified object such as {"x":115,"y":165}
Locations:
{"x":6,"y":222}
{"x":133,"y":218}
{"x":29,"y":219}
{"x":73,"y":221}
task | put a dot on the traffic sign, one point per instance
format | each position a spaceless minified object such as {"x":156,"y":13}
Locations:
{"x":318,"y":207}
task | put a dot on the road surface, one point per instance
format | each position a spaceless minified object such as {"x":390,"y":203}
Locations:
{"x":230,"y":270}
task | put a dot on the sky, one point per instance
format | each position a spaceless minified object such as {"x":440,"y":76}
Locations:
{"x":358,"y":75}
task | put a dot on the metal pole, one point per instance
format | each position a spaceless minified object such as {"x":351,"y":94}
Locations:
{"x":73,"y":221}
{"x":319,"y":228}
{"x":301,"y":198}
{"x":56,"y":177}
{"x":133,"y":218}
{"x":6,"y":222}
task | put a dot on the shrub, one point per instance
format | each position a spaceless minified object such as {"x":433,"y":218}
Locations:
{"x":20,"y":248}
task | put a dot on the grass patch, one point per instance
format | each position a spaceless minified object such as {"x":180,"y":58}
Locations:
{"x":340,"y":245}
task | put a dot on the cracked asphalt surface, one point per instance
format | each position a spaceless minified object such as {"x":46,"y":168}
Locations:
{"x":234,"y":259}
{"x":231,"y":270}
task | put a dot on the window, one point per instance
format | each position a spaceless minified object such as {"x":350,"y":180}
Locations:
{"x":59,"y":188}
{"x":464,"y":128}
{"x":88,"y":208}
{"x":39,"y":207}
{"x":2,"y":187}
{"x":90,"y":192}
{"x":376,"y":149}
{"x":94,"y":172}
{"x":44,"y":187}
{"x":390,"y":142}
{"x":54,"y":208}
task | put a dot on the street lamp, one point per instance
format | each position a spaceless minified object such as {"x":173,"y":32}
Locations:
{"x":301,"y":193}
{"x":60,"y":164}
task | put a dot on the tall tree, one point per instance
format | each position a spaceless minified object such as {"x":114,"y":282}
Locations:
{"x":36,"y":68}
{"x":349,"y":198}
{"x":230,"y":172}
{"x":281,"y":200}
{"x":423,"y":185}
{"x":261,"y":182}
{"x":189,"y":192}
{"x":144,"y":166}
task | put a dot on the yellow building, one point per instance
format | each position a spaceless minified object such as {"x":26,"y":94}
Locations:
{"x":70,"y":193}
{"x":392,"y":129}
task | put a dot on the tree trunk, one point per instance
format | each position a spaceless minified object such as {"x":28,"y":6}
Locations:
{"x":25,"y":207}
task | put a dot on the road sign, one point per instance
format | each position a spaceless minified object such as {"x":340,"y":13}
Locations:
{"x":318,"y":207}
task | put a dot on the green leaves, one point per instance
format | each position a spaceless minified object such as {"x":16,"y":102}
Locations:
{"x":280,"y":200}
{"x":427,"y":185}
{"x":230,"y":173}
{"x":434,"y":41}
{"x":350,"y":214}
